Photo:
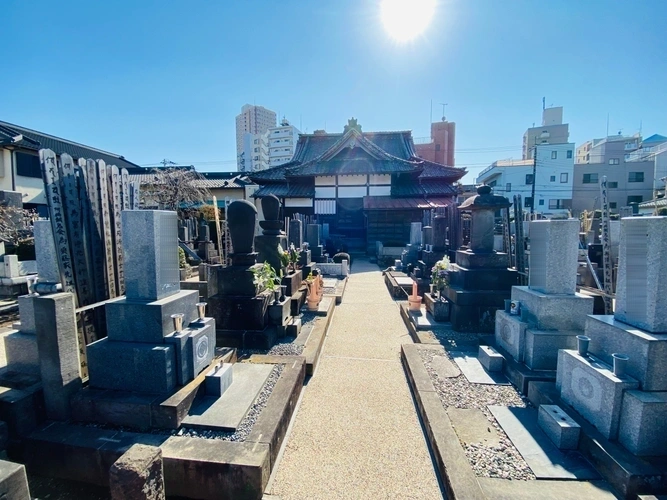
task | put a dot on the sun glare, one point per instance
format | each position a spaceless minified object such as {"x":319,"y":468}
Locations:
{"x":406,"y":19}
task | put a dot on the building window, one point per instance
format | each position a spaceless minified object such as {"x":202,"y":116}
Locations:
{"x":529,"y":178}
{"x":590,"y":179}
{"x":613,"y":161}
{"x":552,"y":178}
{"x":569,"y":154}
{"x":635,"y":199}
{"x":27,"y":165}
{"x":508,"y":187}
{"x":557,"y":204}
{"x":636,"y":177}
{"x":541,"y":202}
{"x":528,"y":202}
{"x":492,"y":184}
{"x":437,"y":147}
{"x":563,"y":177}
{"x":613,"y":184}
{"x":612,"y":204}
{"x":554,"y":155}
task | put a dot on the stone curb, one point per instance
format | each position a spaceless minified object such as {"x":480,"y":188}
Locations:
{"x":455,"y":471}
{"x":313,"y":347}
{"x":417,"y":336}
{"x":271,"y":427}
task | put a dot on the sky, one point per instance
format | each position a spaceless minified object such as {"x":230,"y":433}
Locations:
{"x":164,"y":79}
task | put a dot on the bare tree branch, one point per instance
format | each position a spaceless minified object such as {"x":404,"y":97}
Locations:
{"x":174,"y":189}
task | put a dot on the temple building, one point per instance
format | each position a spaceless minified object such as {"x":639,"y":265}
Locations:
{"x":368,"y":186}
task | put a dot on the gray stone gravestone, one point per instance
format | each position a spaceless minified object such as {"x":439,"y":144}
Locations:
{"x":296,"y":233}
{"x":553,"y":256}
{"x":415,"y":233}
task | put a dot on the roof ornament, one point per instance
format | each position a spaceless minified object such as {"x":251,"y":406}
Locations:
{"x":352,"y":125}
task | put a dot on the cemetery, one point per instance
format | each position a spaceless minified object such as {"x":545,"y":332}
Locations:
{"x":246,"y":372}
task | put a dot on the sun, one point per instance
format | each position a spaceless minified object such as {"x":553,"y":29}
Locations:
{"x":406,"y":19}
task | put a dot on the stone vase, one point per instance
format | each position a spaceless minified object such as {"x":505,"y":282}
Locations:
{"x":620,"y":363}
{"x":582,"y":344}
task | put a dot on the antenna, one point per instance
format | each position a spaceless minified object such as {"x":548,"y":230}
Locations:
{"x":544,"y":99}
{"x":166,"y":162}
{"x":607,"y":135}
{"x":444,"y":105}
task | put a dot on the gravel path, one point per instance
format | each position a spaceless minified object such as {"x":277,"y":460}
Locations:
{"x":357,"y":433}
{"x":503,"y":461}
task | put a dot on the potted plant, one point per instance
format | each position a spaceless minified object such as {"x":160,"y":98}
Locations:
{"x":293,"y":276}
{"x":182,"y":265}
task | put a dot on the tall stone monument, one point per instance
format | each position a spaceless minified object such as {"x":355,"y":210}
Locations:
{"x":552,"y":313}
{"x":631,"y":406}
{"x":437,"y":241}
{"x":272,"y":235}
{"x":156,"y":336}
{"x":480,"y":281}
{"x":240,"y":307}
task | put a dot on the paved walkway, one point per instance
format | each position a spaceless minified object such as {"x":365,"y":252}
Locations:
{"x":357,"y":433}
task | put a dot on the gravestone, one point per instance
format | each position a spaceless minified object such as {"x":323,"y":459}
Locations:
{"x":314,"y":239}
{"x":440,"y":232}
{"x":553,"y":256}
{"x":295,"y":233}
{"x":45,"y":252}
{"x":140,"y":353}
{"x":13,"y":481}
{"x":416,"y":233}
{"x":427,"y":235}
{"x":58,"y":352}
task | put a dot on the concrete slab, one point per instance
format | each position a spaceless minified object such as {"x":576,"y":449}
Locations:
{"x":403,"y":280}
{"x":542,"y":456}
{"x":227,"y":411}
{"x":472,"y":426}
{"x":325,"y":305}
{"x":422,"y":320}
{"x":444,"y":367}
{"x":502,"y":489}
{"x":474,"y":371}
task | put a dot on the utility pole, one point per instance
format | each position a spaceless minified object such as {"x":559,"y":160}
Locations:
{"x":532,"y":190}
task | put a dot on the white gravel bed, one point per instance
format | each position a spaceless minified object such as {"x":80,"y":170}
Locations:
{"x":242,"y":432}
{"x":503,"y":461}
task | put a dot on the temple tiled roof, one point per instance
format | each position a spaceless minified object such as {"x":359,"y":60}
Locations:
{"x":357,"y":153}
{"x":426,"y":188}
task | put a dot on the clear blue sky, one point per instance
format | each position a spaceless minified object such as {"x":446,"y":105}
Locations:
{"x":154,"y":79}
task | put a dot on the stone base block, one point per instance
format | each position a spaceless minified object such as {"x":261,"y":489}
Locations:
{"x":235,"y":312}
{"x":292,"y":281}
{"x":553,"y":312}
{"x":194,"y":347}
{"x":647,"y":351}
{"x":133,"y":321}
{"x":247,"y":339}
{"x":266,"y":246}
{"x":490,"y":359}
{"x":483,"y":279}
{"x":132,"y":366}
{"x":13,"y":481}
{"x":474,"y":311}
{"x":439,"y":309}
{"x":219,"y":379}
{"x":472,"y":260}
{"x":294,"y":327}
{"x":591,"y":388}
{"x":279,"y":314}
{"x":559,"y":426}
{"x":21,"y":353}
{"x":541,"y":347}
{"x":237,"y":280}
{"x":138,"y":473}
{"x":510,"y":334}
{"x":642,"y":427}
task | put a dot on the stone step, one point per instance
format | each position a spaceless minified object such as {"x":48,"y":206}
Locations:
{"x":491,"y":360}
{"x":642,"y":426}
{"x":553,"y":311}
{"x":559,"y":426}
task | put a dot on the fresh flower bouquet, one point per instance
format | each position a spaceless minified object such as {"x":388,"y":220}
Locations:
{"x":440,"y":274}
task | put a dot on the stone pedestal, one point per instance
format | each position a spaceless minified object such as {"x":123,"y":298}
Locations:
{"x":279,"y":314}
{"x":553,"y":256}
{"x":439,"y":309}
{"x":510,"y":334}
{"x":553,"y":312}
{"x":58,"y":348}
{"x":439,"y":233}
{"x":589,"y":385}
{"x":234,"y":312}
{"x":642,"y":423}
{"x":13,"y":481}
{"x":292,"y":281}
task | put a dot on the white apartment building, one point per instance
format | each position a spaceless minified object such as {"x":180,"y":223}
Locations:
{"x":552,"y":178}
{"x":281,"y":143}
{"x":552,"y":131}
{"x":254,"y":120}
